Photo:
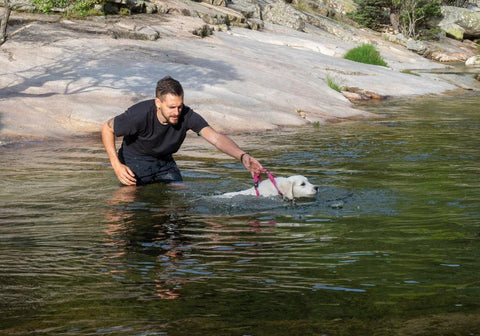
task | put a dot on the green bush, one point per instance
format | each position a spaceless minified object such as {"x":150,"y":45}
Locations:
{"x":372,"y":13}
{"x":415,"y":14}
{"x":410,"y":17}
{"x":46,"y":6}
{"x":73,"y":8}
{"x":82,"y":8}
{"x":124,"y":11}
{"x":366,"y":53}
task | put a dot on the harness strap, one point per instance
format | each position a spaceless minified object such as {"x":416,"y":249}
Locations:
{"x":257,"y":178}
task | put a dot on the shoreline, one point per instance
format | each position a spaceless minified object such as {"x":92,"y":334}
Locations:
{"x":240,"y":80}
{"x":25,"y":140}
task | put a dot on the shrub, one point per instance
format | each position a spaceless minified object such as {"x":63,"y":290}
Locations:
{"x":414,"y":15}
{"x":46,"y":6}
{"x":366,"y":53}
{"x":83,"y":8}
{"x":124,"y":11}
{"x":73,"y":8}
{"x":372,"y":13}
{"x":408,"y":16}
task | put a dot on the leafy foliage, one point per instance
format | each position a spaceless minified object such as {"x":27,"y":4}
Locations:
{"x":408,"y":16}
{"x":372,"y":13}
{"x":366,"y":53}
{"x":47,"y":6}
{"x":72,"y":7}
{"x":414,"y":14}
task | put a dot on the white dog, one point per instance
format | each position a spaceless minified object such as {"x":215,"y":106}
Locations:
{"x":289,"y":187}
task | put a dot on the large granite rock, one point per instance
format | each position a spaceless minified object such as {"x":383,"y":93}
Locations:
{"x":21,"y":5}
{"x":442,"y":50}
{"x":460,"y":22}
{"x":340,"y":6}
{"x":473,"y":61}
{"x":84,"y":77}
{"x":219,"y":17}
{"x":284,"y":14}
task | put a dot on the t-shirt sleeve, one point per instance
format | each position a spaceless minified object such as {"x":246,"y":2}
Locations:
{"x":196,"y":122}
{"x":126,"y":124}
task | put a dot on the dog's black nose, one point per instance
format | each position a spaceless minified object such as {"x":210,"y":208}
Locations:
{"x":316,"y":188}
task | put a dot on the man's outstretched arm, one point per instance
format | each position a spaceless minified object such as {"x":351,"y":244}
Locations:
{"x":229,"y":147}
{"x":124,"y":174}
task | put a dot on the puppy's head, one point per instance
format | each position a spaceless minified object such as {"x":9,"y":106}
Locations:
{"x":298,"y":186}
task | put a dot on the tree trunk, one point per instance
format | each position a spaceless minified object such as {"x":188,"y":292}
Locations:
{"x":4,"y":22}
{"x":395,"y":21}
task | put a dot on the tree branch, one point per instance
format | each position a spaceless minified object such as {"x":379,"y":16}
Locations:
{"x":4,"y":22}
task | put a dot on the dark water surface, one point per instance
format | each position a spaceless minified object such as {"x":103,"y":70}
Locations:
{"x":389,"y":247}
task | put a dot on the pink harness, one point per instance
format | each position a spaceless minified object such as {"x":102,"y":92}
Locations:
{"x":271,"y":177}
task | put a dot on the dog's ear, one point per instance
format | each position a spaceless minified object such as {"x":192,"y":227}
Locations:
{"x":286,"y":187}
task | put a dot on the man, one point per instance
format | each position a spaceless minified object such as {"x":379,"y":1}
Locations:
{"x":155,"y":129}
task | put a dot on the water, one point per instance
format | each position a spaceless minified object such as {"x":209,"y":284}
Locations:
{"x":389,"y":247}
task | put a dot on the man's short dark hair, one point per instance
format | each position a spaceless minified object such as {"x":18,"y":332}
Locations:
{"x":168,"y":85}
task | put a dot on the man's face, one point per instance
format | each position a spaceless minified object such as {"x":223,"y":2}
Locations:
{"x":169,"y":108}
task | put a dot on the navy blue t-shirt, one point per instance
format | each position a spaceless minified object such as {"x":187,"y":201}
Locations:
{"x":145,"y":135}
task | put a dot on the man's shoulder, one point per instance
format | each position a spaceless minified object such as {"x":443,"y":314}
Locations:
{"x":141,"y":111}
{"x":143,"y":106}
{"x":193,"y":120}
{"x":187,"y":111}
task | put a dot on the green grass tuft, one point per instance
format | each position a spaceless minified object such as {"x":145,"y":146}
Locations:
{"x":366,"y":53}
{"x":409,"y":72}
{"x":332,"y":84}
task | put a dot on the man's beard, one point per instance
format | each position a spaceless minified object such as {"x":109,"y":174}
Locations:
{"x":172,"y":122}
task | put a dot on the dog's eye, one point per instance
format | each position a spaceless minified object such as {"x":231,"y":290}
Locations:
{"x":303,"y":184}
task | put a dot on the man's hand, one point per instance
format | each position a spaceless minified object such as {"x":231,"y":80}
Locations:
{"x":125,"y":174}
{"x":251,"y":164}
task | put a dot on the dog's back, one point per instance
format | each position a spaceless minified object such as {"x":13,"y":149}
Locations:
{"x":291,"y":187}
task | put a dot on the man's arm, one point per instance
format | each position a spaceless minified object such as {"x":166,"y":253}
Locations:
{"x":229,"y":147}
{"x":124,"y":174}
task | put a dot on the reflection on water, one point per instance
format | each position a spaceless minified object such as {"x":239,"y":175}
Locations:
{"x":388,"y":247}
